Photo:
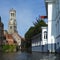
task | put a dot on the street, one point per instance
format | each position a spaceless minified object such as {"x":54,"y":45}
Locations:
{"x":29,"y":56}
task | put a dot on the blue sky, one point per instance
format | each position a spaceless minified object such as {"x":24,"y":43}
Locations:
{"x":26,"y":13}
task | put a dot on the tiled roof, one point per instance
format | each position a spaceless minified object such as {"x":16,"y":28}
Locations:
{"x":16,"y":34}
{"x":9,"y":36}
{"x":9,"y":39}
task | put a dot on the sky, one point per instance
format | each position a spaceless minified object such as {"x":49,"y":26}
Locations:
{"x":26,"y":13}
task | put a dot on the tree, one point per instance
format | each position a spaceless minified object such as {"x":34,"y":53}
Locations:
{"x":29,"y":33}
{"x":32,"y":31}
{"x":36,"y":29}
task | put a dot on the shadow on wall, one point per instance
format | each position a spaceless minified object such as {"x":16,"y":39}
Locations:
{"x":58,"y":50}
{"x":45,"y":48}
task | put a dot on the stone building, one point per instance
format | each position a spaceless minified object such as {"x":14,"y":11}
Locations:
{"x":18,"y":39}
{"x":12,"y":29}
{"x":1,"y":32}
{"x":12,"y":25}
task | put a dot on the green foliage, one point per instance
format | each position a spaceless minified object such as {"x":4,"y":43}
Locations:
{"x":5,"y":47}
{"x":8,"y":48}
{"x":29,"y":33}
{"x":35,"y":29}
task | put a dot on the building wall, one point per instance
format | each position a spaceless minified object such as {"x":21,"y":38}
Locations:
{"x":51,"y":25}
{"x":17,"y":38}
{"x":9,"y":39}
{"x":44,"y":33}
{"x":53,"y":9}
{"x":12,"y":25}
{"x":1,"y":32}
{"x":58,"y":26}
{"x":39,"y":44}
{"x":36,"y":41}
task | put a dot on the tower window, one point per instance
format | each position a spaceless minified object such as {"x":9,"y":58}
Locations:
{"x":12,"y":14}
{"x":10,"y":27}
{"x":15,"y":27}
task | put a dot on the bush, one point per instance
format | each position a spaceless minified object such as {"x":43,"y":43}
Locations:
{"x":8,"y":48}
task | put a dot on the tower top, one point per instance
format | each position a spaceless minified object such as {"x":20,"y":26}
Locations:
{"x":12,"y":13}
{"x":11,"y":10}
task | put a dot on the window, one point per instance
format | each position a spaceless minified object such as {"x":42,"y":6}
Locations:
{"x":58,"y":44}
{"x":45,"y":34}
{"x":12,"y":14}
{"x":10,"y":27}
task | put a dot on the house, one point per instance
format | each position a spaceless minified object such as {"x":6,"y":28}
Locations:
{"x":39,"y":41}
{"x":17,"y":38}
{"x":53,"y":13}
{"x":9,"y":39}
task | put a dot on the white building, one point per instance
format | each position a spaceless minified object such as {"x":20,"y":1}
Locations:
{"x":53,"y":12}
{"x":39,"y":42}
{"x":12,"y":25}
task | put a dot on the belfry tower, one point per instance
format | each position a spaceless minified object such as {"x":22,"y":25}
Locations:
{"x":12,"y":25}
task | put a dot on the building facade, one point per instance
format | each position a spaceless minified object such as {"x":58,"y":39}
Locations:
{"x":53,"y":13}
{"x":1,"y":32}
{"x":40,"y":42}
{"x":12,"y":25}
{"x":18,"y":39}
{"x":9,"y":39}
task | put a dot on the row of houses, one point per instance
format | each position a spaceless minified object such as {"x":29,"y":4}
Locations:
{"x":52,"y":43}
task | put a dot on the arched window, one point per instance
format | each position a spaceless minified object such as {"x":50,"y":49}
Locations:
{"x":45,"y":34}
{"x":12,"y":14}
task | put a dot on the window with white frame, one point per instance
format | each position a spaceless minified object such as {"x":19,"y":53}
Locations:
{"x":45,"y":34}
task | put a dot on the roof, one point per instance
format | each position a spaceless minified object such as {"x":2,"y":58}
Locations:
{"x":16,"y":34}
{"x":9,"y":36}
{"x":44,"y":27}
